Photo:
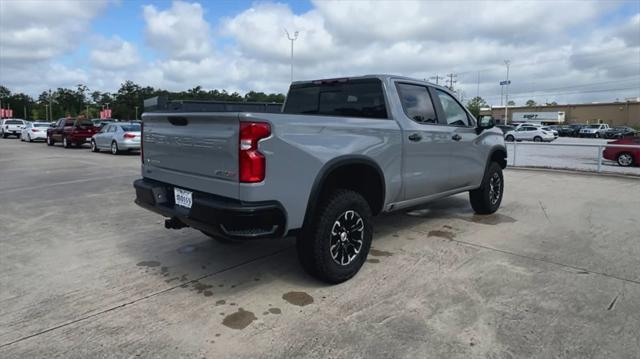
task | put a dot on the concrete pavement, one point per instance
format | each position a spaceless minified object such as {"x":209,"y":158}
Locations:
{"x":86,"y":273}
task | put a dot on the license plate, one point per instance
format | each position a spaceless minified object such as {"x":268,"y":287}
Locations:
{"x":88,"y":138}
{"x":183,"y":198}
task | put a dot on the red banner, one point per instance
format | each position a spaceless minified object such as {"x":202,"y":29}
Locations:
{"x":107,"y":113}
{"x":9,"y":113}
{"x":1,"y":112}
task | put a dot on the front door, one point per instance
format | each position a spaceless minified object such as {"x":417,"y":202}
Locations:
{"x":468,"y":154}
{"x":427,"y":144}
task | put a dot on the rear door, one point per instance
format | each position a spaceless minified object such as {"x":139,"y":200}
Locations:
{"x":427,"y":144}
{"x":467,"y":155}
{"x":196,"y":151}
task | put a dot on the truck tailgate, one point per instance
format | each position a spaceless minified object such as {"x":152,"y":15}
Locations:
{"x":196,"y":151}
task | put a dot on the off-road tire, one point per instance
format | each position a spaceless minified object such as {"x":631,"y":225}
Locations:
{"x":482,"y":199}
{"x":314,"y":242}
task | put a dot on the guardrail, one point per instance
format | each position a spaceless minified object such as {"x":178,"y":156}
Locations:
{"x":599,"y":147}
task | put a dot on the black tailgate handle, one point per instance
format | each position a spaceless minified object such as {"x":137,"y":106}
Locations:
{"x":178,"y":121}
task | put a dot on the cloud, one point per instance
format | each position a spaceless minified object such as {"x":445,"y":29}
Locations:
{"x":180,"y":32}
{"x":32,"y":31}
{"x":114,"y":54}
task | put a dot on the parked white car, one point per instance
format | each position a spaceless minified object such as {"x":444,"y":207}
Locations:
{"x":529,"y":133}
{"x":34,"y":131}
{"x":11,"y":127}
{"x":596,"y":130}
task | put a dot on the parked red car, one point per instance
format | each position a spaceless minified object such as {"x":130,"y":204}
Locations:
{"x":71,"y":131}
{"x":624,"y":156}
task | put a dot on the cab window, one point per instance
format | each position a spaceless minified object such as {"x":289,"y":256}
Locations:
{"x":416,"y":103}
{"x":454,"y":113}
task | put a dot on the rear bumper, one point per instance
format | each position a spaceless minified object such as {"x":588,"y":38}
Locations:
{"x":213,"y":214}
{"x":77,"y":138}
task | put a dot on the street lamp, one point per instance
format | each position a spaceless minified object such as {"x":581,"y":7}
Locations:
{"x":292,"y":39}
{"x":506,"y":100}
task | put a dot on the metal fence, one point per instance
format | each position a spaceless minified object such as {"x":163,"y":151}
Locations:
{"x":565,"y":156}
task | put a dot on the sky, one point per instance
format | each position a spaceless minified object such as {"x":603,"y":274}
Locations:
{"x":563,"y":51}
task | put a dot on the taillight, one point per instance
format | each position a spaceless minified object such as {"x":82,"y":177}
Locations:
{"x":129,"y":135}
{"x":252,"y":162}
{"x":34,"y":130}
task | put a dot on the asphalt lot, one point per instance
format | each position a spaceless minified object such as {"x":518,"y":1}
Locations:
{"x":86,"y":273}
{"x":529,"y":154}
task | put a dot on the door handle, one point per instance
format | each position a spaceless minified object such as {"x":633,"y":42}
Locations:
{"x":415,"y":137}
{"x":456,"y":137}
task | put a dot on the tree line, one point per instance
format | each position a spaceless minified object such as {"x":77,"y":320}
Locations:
{"x":124,"y":104}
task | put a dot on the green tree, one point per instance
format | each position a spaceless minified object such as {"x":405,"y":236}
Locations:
{"x":531,"y":103}
{"x":511,"y":103}
{"x":475,"y":105}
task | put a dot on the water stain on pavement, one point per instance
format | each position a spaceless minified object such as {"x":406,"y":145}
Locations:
{"x":275,"y":310}
{"x":373,"y":260}
{"x":149,"y":264}
{"x":298,"y":298}
{"x":239,"y":320}
{"x":200,"y":288}
{"x":164,"y":271}
{"x":442,"y":234}
{"x":378,"y":253}
{"x":491,"y":219}
{"x":220,"y":302}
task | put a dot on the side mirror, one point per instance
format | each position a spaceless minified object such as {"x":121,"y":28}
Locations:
{"x":485,"y":123}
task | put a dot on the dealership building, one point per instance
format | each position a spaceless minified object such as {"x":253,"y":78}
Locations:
{"x":613,"y":113}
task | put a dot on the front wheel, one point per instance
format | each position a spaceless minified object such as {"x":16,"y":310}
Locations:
{"x":510,"y":138}
{"x":94,"y":147}
{"x":335,"y":244}
{"x":537,"y":139}
{"x":66,"y":143}
{"x":597,"y":135}
{"x":29,"y":138}
{"x":625,"y":159}
{"x":487,"y":198}
{"x":50,"y":141}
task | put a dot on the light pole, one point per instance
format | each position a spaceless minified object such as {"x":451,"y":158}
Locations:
{"x":506,"y":96}
{"x":292,"y":39}
{"x":136,"y":113}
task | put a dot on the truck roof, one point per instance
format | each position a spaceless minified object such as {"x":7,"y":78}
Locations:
{"x":382,"y":77}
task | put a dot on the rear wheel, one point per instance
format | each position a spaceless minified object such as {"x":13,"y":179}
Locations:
{"x":114,"y":148}
{"x":29,"y":138}
{"x":537,"y":139}
{"x":510,"y":138}
{"x":597,"y":135}
{"x":94,"y":147}
{"x":335,"y":245}
{"x":625,"y":159}
{"x":487,"y":198}
{"x":50,"y":141}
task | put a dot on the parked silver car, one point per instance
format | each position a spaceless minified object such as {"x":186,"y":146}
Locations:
{"x":117,"y":137}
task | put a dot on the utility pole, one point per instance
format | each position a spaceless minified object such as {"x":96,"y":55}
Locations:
{"x":136,"y":112}
{"x":437,"y":78}
{"x":50,"y":106}
{"x":292,"y":39}
{"x":451,"y":77}
{"x":46,"y":112}
{"x":506,"y":97}
{"x":24,"y":108}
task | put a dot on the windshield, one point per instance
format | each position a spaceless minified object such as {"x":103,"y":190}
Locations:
{"x":355,"y":98}
{"x":13,"y":122}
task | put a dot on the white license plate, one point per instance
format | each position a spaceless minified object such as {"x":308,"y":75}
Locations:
{"x":183,"y":198}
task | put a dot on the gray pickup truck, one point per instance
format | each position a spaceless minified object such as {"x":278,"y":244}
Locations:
{"x":338,"y":152}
